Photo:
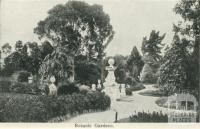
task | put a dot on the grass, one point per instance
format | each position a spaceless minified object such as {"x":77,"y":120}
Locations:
{"x":154,"y":93}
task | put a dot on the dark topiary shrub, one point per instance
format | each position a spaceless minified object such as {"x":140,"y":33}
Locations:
{"x":23,"y":76}
{"x":68,"y":89}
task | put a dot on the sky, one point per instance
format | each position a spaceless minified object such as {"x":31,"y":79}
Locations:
{"x":131,"y":20}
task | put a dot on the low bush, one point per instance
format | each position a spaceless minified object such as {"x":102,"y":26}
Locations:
{"x":25,"y":88}
{"x":137,"y":86}
{"x":5,"y":86}
{"x":128,"y":91}
{"x":68,"y":88}
{"x":32,"y":108}
{"x":23,"y":76}
{"x":130,"y":81}
{"x":19,"y":87}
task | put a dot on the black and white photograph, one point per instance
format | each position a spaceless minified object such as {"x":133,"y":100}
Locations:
{"x":99,"y":63}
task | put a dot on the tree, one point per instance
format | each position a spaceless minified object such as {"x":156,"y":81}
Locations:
{"x":189,"y":11}
{"x":120,"y":73}
{"x":21,"y":60}
{"x":87,"y":73}
{"x":135,"y":63}
{"x":46,"y":48}
{"x":6,"y":49}
{"x":17,"y":60}
{"x":77,"y":26}
{"x":119,"y":59}
{"x":173,"y":72}
{"x":151,"y":49}
{"x":0,"y":60}
{"x":189,"y":27}
{"x":14,"y":62}
{"x":34,"y":58}
{"x":18,"y":45}
{"x":147,"y":74}
{"x":59,"y":64}
{"x":153,"y":45}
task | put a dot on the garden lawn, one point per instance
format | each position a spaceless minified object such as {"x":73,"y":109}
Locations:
{"x":153,"y":93}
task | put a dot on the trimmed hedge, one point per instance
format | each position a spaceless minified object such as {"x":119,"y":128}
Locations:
{"x":19,"y":87}
{"x":5,"y":86}
{"x":32,"y":108}
{"x":25,"y":88}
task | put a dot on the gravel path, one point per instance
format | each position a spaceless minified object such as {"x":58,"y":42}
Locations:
{"x":127,"y":106}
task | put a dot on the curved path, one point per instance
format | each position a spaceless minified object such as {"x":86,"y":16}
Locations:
{"x":127,"y":106}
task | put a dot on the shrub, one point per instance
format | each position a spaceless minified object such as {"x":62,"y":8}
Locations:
{"x":137,"y":86}
{"x":5,"y":85}
{"x":68,"y":88}
{"x":25,"y":88}
{"x":87,"y":72}
{"x":23,"y":108}
{"x":32,"y":108}
{"x":19,"y":87}
{"x":130,"y":81}
{"x":23,"y":76}
{"x":128,"y":91}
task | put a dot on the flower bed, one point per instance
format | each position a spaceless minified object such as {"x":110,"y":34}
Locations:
{"x":32,"y":108}
{"x":146,"y":117}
